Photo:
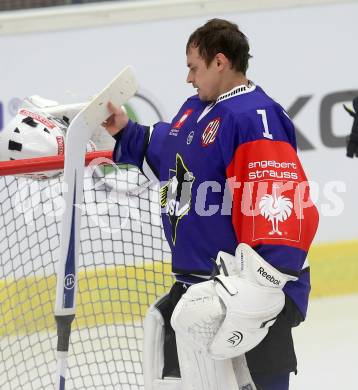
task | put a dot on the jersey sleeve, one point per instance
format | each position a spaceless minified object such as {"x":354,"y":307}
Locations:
{"x":140,"y":146}
{"x":271,"y":201}
{"x":271,"y":206}
{"x":153,"y":156}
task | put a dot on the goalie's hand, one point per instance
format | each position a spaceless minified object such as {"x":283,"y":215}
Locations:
{"x":231,"y":314}
{"x":117,"y":121}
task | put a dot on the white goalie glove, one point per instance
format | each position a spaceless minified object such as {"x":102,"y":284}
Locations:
{"x":231,"y":314}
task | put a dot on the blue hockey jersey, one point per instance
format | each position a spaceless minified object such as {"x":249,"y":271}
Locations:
{"x":228,"y":173}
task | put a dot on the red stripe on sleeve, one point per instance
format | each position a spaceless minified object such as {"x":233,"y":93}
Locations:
{"x":271,"y":201}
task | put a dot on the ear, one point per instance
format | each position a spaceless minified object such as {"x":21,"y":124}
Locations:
{"x":221,"y":61}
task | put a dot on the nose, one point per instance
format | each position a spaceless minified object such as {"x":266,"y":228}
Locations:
{"x":189,"y":78}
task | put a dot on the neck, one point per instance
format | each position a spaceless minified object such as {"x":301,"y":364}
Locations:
{"x":231,"y":81}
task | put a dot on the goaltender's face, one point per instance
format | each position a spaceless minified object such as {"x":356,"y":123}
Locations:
{"x":206,"y":79}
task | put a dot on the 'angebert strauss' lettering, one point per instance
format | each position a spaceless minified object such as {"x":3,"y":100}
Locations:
{"x":272,"y":169}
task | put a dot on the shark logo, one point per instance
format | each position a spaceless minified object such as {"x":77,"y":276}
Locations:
{"x":175,"y":196}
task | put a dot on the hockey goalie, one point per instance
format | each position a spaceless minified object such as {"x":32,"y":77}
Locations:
{"x":237,"y":215}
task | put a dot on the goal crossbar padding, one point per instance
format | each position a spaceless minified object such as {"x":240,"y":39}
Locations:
{"x":50,"y":163}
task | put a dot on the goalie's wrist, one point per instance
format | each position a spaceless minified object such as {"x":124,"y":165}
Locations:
{"x":259,"y":270}
{"x":118,"y":135}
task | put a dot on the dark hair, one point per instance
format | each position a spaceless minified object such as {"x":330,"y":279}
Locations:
{"x":221,"y":36}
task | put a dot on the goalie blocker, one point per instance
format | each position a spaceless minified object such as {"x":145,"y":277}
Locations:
{"x":236,"y":318}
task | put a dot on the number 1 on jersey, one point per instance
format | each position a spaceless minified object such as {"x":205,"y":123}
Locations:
{"x":266,"y":132}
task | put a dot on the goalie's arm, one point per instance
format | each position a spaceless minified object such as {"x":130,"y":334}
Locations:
{"x":136,"y":144}
{"x":271,"y":206}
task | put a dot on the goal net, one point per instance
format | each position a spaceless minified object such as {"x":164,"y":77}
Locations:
{"x":124,"y":265}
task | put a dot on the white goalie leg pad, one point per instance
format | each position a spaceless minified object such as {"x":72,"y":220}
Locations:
{"x":201,"y":372}
{"x":199,"y":314}
{"x":153,"y":353}
{"x":242,"y":373}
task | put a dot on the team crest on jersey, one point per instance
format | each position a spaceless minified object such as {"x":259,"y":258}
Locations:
{"x":274,"y":207}
{"x":175,"y":196}
{"x":209,"y":135}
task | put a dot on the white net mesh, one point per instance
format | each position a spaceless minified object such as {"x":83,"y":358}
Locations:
{"x":124,"y":265}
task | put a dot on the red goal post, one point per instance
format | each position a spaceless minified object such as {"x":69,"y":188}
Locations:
{"x":124,"y":265}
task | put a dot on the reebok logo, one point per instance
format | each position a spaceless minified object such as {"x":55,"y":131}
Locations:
{"x":269,"y":277}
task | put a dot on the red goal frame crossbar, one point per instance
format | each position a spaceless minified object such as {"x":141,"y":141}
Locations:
{"x":40,"y":164}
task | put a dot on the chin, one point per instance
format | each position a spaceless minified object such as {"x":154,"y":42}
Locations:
{"x":205,"y":98}
{"x":202,"y":97}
